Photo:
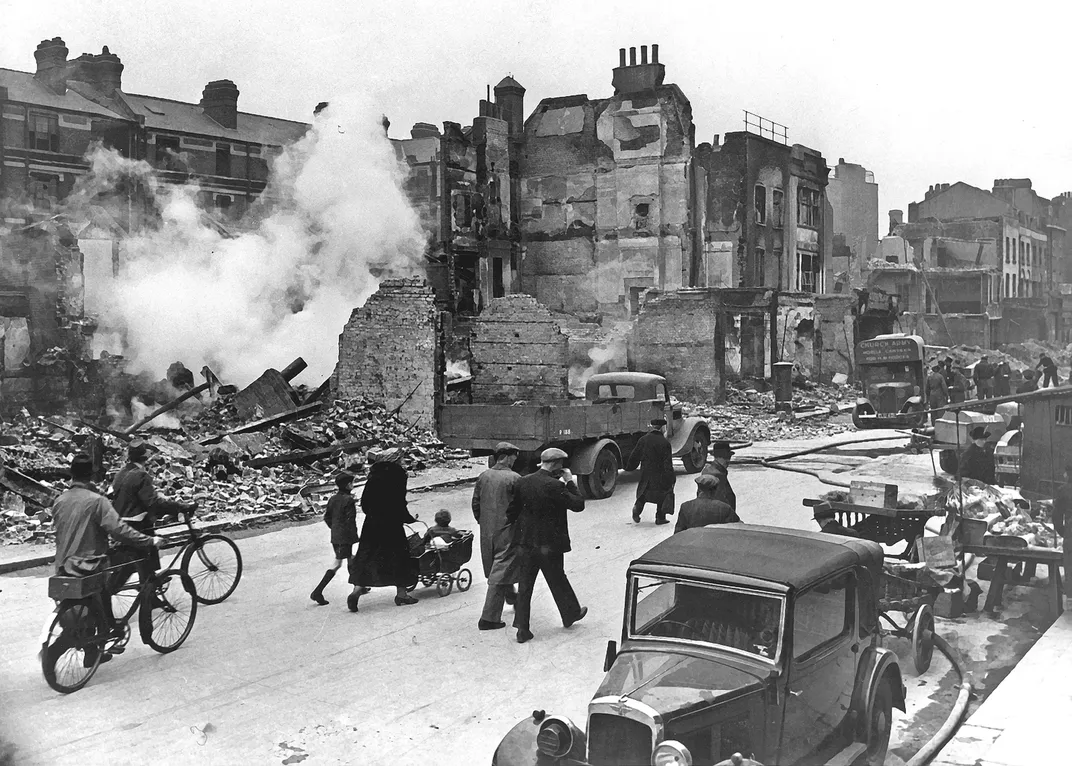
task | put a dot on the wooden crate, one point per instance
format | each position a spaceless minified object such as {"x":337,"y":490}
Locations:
{"x":60,"y":588}
{"x":873,"y":493}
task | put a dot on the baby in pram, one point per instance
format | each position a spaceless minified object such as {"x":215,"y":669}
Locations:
{"x":442,"y":534}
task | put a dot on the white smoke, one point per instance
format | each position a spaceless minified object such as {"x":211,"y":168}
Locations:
{"x":335,"y":222}
{"x":602,"y":358}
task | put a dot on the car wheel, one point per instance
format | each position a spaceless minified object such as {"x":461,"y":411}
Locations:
{"x":880,"y":725}
{"x":923,"y":638}
{"x":600,"y":483}
{"x":696,"y":458}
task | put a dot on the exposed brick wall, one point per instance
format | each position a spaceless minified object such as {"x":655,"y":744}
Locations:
{"x":391,"y":344}
{"x":834,"y":336}
{"x":518,"y":352}
{"x":674,"y":335}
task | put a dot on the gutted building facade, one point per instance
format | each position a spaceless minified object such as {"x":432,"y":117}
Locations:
{"x":853,"y":196}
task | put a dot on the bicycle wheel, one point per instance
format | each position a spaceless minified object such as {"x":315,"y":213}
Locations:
{"x":214,"y":563}
{"x":126,"y":594}
{"x":168,"y":609}
{"x":71,"y":650}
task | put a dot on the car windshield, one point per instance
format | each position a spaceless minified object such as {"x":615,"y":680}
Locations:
{"x":734,"y":618}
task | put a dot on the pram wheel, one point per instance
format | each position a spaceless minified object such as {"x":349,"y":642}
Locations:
{"x":465,"y":579}
{"x":444,"y":585}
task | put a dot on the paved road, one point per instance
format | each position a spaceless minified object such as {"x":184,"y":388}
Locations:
{"x":267,"y":677}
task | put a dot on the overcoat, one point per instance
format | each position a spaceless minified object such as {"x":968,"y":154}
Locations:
{"x":655,"y":458}
{"x":702,"y":511}
{"x":383,"y":554}
{"x":491,"y":497}
{"x":976,"y":463}
{"x":538,"y":512}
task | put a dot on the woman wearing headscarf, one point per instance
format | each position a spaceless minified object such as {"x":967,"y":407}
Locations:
{"x":383,"y":556}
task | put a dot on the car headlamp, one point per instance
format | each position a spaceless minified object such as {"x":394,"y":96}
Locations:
{"x":555,"y":738}
{"x":671,"y":753}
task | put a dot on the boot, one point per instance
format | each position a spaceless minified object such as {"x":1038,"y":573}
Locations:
{"x":318,"y":594}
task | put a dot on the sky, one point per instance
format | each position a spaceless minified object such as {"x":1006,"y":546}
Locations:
{"x":918,"y":92}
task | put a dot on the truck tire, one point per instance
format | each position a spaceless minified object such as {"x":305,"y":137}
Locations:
{"x":600,"y":483}
{"x":696,"y":458}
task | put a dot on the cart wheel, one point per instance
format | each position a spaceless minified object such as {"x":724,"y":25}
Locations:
{"x":465,"y":579}
{"x":444,"y":586}
{"x":922,"y":638}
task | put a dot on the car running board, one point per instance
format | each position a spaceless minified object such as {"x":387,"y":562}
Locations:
{"x":849,"y":755}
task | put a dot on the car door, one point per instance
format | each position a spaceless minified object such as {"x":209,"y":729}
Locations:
{"x":822,"y":669}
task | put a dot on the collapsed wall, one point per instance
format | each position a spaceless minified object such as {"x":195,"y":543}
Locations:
{"x":391,"y":346}
{"x":518,"y":352}
{"x":674,"y":336}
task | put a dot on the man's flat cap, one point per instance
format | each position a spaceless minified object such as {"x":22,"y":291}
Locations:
{"x":552,"y":453}
{"x":707,"y":481}
{"x":505,"y":448}
{"x":658,"y":421}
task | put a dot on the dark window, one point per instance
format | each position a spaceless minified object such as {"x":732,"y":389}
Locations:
{"x":761,"y":204}
{"x":822,"y":615}
{"x":808,"y":272}
{"x":222,"y":203}
{"x":223,"y":159}
{"x":776,"y":207}
{"x":641,"y":213}
{"x":167,"y":153}
{"x":759,"y":267}
{"x":45,"y":190}
{"x":462,"y":204}
{"x":808,"y":213}
{"x":44,"y":132}
{"x":1006,"y":249}
{"x":497,"y":287}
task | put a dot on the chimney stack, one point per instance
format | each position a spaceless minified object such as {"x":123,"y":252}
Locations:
{"x":51,"y":58}
{"x":510,"y":99}
{"x":635,"y":77}
{"x":219,"y":100}
{"x":896,"y":219}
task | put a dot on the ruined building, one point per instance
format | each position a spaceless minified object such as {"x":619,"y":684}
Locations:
{"x":53,"y":267}
{"x":853,"y":196}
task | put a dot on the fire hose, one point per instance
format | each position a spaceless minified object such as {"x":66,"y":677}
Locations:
{"x":768,"y":462}
{"x":952,"y":721}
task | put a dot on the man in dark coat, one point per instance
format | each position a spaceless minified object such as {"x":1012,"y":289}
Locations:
{"x":1030,"y":383}
{"x":721,"y":454}
{"x":655,"y":458}
{"x":983,"y":375}
{"x":958,"y":386}
{"x":341,"y":517}
{"x":977,"y":462}
{"x":383,"y":556}
{"x":491,"y":497}
{"x":541,"y":533}
{"x":937,"y":392}
{"x":137,"y":503}
{"x":705,"y":509}
{"x":1002,"y":379}
{"x":1049,"y":370}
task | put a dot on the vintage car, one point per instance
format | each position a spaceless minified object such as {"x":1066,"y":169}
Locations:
{"x":891,"y":370}
{"x":739,"y":642}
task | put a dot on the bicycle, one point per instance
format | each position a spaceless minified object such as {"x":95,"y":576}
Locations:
{"x":80,"y":633}
{"x":212,"y":561}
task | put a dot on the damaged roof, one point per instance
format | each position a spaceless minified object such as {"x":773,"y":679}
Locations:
{"x":166,"y":114}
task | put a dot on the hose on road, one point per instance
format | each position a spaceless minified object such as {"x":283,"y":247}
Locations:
{"x":952,"y":721}
{"x":768,"y":462}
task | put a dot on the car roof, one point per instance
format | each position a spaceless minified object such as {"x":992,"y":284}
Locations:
{"x":788,"y":556}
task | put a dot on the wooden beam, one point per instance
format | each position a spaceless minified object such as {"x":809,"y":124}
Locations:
{"x":169,"y":406}
{"x":309,"y":456}
{"x":260,"y":425}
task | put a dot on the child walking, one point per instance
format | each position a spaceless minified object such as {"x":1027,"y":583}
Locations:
{"x":341,"y":516}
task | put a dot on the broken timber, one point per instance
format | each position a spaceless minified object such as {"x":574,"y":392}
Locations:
{"x":312,"y":455}
{"x":260,"y":425}
{"x":29,"y":489}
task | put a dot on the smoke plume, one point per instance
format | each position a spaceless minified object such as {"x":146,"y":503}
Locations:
{"x":332,"y":223}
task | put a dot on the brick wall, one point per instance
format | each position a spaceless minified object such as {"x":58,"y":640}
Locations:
{"x":834,"y":336}
{"x":391,"y":344}
{"x":518,"y":352}
{"x":674,"y":335}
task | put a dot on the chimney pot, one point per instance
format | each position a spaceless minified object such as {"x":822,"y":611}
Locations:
{"x":632,"y":56}
{"x":621,"y":57}
{"x":655,"y":54}
{"x":320,"y":107}
{"x":643,"y":54}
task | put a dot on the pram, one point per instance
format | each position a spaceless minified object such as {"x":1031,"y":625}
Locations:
{"x":441,"y":566}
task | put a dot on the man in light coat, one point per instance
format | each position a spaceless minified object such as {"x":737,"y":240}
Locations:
{"x":491,"y":497}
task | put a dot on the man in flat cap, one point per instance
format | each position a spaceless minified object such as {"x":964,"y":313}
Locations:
{"x":720,"y":467}
{"x":655,"y":458}
{"x":977,"y":462}
{"x":705,"y":509}
{"x":491,"y":497}
{"x":541,"y":533}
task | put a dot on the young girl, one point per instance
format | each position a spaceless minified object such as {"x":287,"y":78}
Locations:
{"x":341,"y":516}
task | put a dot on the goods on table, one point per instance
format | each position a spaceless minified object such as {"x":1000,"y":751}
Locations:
{"x":1020,"y":524}
{"x":977,"y":500}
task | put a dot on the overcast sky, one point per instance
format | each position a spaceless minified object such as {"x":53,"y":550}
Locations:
{"x":918,"y":92}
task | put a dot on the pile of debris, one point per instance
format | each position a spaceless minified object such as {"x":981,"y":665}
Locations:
{"x":1020,"y":356}
{"x":749,"y":414}
{"x":228,"y":463}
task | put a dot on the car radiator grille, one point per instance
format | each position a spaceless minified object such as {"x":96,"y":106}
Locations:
{"x":617,"y":741}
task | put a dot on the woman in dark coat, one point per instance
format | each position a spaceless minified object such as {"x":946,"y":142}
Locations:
{"x":383,"y":556}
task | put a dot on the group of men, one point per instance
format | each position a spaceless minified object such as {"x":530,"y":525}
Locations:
{"x":947,"y":384}
{"x":524,"y":526}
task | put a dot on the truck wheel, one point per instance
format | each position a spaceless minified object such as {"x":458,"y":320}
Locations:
{"x":880,"y":725}
{"x":600,"y":483}
{"x":696,"y":458}
{"x":947,"y":460}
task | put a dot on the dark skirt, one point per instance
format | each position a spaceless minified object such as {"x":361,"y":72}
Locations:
{"x":383,"y":557}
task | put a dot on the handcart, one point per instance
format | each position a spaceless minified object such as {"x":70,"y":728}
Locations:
{"x":903,"y":588}
{"x":886,"y":526}
{"x":442,"y":567}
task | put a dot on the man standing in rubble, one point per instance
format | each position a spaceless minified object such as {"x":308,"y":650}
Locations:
{"x":958,"y":386}
{"x":937,"y":392}
{"x":655,"y":458}
{"x":492,"y":495}
{"x":137,"y":503}
{"x":983,"y":375}
{"x":1049,"y":370}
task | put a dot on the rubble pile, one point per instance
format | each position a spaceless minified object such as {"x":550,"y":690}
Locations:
{"x":1020,"y":356}
{"x":749,"y":415}
{"x":277,"y":468}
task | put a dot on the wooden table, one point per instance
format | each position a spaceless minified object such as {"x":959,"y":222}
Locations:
{"x":887,"y":526}
{"x":1051,"y":557}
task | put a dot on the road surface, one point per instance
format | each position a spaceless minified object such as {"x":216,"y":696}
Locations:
{"x":268,"y":677}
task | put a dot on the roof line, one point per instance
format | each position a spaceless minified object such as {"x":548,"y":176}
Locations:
{"x":190,"y":103}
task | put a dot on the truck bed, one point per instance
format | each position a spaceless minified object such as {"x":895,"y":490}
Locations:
{"x":531,"y":426}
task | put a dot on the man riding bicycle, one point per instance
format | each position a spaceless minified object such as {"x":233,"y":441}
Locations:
{"x":83,"y":520}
